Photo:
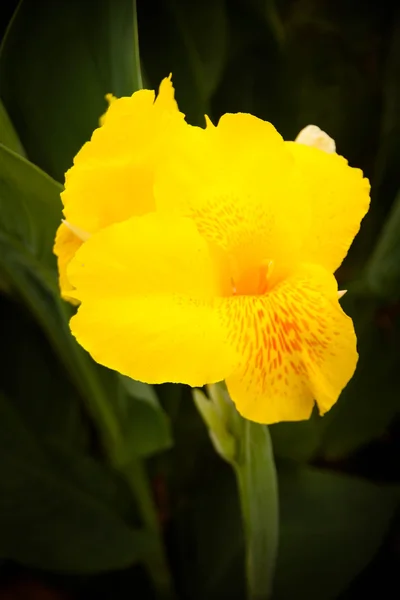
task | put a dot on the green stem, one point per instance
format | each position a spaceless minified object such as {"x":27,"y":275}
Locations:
{"x":258,"y":492}
{"x":156,"y":564}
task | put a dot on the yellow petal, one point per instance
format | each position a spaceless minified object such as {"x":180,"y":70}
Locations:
{"x":148,"y":289}
{"x":237,"y":181}
{"x":82,"y":235}
{"x":110,"y":99}
{"x":98,"y":195}
{"x":112,"y":177}
{"x":296,"y":346}
{"x":340,"y":199}
{"x":65,"y":247}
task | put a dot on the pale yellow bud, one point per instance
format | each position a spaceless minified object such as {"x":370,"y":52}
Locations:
{"x":314,"y":136}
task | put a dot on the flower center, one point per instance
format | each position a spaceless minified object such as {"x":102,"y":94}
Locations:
{"x":255,"y":281}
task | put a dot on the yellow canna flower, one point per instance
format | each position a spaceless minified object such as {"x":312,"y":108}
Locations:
{"x":218,"y":263}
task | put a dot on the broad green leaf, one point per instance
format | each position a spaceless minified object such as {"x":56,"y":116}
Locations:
{"x":53,"y":517}
{"x":194,"y":41}
{"x":47,"y":402}
{"x":331,"y":527}
{"x":44,"y":397}
{"x":31,"y":374}
{"x":145,"y":425}
{"x":383,"y":269}
{"x":29,"y":200}
{"x":30,"y":209}
{"x":8,"y":135}
{"x":77,"y":53}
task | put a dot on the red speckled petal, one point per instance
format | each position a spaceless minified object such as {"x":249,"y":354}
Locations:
{"x":297,"y":346}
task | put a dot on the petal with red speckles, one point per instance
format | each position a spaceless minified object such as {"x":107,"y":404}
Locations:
{"x":297,"y":346}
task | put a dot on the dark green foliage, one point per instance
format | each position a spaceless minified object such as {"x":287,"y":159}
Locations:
{"x":68,"y":427}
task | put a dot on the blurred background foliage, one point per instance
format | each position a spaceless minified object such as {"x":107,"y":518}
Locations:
{"x":94,"y":466}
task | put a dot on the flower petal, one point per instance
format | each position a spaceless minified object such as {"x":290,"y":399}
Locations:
{"x":112,"y":176}
{"x":297,"y":346}
{"x":65,"y":247}
{"x":148,"y":289}
{"x":237,"y":181}
{"x":340,"y":198}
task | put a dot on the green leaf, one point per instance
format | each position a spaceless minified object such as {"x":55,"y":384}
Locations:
{"x":44,"y":394}
{"x":57,"y":518}
{"x":194,"y":42}
{"x":145,"y":426}
{"x":383,"y":269}
{"x":28,"y":198}
{"x":77,"y":54}
{"x":31,"y":210}
{"x":51,"y":410}
{"x":8,"y":135}
{"x":331,"y":527}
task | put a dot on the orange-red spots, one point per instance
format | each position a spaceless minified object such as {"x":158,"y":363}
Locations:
{"x":284,"y":345}
{"x":295,"y":345}
{"x":285,"y":312}
{"x":259,"y":359}
{"x":256,"y":330}
{"x":294,"y":367}
{"x":264,"y":337}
